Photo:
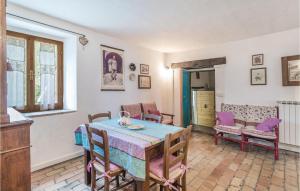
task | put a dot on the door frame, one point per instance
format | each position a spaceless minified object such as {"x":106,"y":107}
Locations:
{"x":181,"y":88}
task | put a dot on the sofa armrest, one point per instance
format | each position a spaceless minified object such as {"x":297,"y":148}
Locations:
{"x":167,"y":114}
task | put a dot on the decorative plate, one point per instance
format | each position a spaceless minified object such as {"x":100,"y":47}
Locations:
{"x":132,"y":77}
{"x":132,"y":66}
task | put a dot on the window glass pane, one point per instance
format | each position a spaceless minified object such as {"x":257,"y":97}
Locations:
{"x":45,"y":75}
{"x":16,"y":76}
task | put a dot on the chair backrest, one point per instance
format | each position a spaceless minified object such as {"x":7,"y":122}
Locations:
{"x":152,"y":117}
{"x":148,"y":106}
{"x":99,"y":138}
{"x":176,"y":146}
{"x":99,"y":115}
{"x":133,"y":109}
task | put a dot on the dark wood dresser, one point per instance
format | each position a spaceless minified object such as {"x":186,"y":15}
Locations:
{"x":15,"y":153}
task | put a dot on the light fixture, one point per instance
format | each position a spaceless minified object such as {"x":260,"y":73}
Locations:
{"x":9,"y":67}
{"x":83,"y":40}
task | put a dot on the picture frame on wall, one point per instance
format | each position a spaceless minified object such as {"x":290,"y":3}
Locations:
{"x":144,"y":82}
{"x":112,"y":69}
{"x":144,"y":69}
{"x":290,"y":70}
{"x":257,"y":59}
{"x":258,"y":76}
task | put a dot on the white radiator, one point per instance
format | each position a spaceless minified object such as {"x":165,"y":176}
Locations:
{"x":289,"y":128}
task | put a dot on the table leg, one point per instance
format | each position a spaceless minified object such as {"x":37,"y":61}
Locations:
{"x":86,"y":160}
{"x":142,"y":185}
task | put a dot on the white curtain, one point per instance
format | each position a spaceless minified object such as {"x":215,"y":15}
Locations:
{"x":16,"y":79}
{"x":47,"y":60}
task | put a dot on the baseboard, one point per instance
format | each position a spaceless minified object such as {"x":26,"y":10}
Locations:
{"x":289,"y":147}
{"x":56,"y":161}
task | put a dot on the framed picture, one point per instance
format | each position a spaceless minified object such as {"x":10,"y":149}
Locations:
{"x":112,"y":70}
{"x":144,"y":69}
{"x":258,"y":76}
{"x":257,"y":59}
{"x":144,"y":82}
{"x":291,"y":70}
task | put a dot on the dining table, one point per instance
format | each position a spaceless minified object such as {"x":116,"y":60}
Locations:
{"x":131,"y":149}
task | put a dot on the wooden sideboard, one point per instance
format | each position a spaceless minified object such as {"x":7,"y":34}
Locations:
{"x":15,"y":153}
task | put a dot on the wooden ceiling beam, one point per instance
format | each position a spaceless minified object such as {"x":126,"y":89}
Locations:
{"x":4,"y":117}
{"x":206,"y":63}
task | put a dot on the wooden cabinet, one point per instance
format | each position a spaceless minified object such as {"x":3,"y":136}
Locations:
{"x":205,"y":105}
{"x":15,"y":154}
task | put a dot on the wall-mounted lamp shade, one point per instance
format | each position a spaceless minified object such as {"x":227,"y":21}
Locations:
{"x":9,"y":67}
{"x":83,"y":40}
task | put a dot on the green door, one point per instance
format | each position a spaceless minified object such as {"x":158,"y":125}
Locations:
{"x":186,"y":98}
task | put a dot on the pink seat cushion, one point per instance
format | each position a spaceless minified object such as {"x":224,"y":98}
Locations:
{"x":137,"y":116}
{"x":100,"y":166}
{"x":154,"y":112}
{"x":156,"y":166}
{"x":226,"y":118}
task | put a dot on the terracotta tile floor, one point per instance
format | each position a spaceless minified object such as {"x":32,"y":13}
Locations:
{"x":221,"y":167}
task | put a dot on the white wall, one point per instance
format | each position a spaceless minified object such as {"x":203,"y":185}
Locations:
{"x":52,"y":136}
{"x":236,"y":75}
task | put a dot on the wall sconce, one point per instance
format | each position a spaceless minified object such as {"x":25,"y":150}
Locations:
{"x":83,"y":40}
{"x":9,"y":67}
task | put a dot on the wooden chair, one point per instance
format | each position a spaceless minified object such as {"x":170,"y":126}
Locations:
{"x":99,"y":115}
{"x":151,"y":117}
{"x":169,"y":171}
{"x":100,"y":164}
{"x":165,"y":117}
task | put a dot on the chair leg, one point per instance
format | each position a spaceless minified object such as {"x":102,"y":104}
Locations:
{"x":183,"y":182}
{"x":93,"y":179}
{"x":276,"y":150}
{"x":117,"y":181}
{"x":243,"y":142}
{"x":216,"y":138}
{"x":124,"y":175}
{"x":106,"y":184}
{"x":161,"y":188}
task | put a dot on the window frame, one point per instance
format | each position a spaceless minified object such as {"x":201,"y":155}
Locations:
{"x":30,"y":71}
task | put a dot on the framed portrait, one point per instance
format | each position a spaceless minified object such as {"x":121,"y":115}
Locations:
{"x":258,"y":76}
{"x":291,"y":70}
{"x":257,"y":59}
{"x":144,"y":82}
{"x":112,"y":70}
{"x":144,"y":69}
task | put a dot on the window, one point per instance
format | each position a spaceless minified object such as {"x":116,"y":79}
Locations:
{"x":35,"y":78}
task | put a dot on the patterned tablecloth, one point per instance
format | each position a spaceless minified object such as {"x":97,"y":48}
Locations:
{"x":127,"y":147}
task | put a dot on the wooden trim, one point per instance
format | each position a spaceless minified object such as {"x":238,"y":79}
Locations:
{"x":181,"y":96}
{"x":4,"y":117}
{"x":112,"y":89}
{"x":285,"y":75}
{"x":111,"y":47}
{"x":12,"y":150}
{"x":30,"y":68}
{"x":206,"y":63}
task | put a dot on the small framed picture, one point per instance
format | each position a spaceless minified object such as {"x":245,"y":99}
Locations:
{"x":258,"y":76}
{"x":144,"y":82}
{"x":144,"y":69}
{"x":291,"y":70}
{"x":257,"y":59}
